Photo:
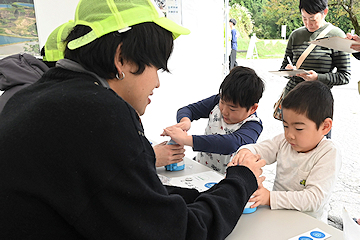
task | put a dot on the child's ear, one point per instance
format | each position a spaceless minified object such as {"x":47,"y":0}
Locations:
{"x":253,"y":108}
{"x":326,"y":126}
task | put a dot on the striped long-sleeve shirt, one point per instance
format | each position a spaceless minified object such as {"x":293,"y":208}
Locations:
{"x":322,"y":60}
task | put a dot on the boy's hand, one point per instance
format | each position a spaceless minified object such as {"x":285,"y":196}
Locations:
{"x":240,"y":156}
{"x":168,"y":154}
{"x":184,"y":124}
{"x":179,"y":136}
{"x":260,"y":197}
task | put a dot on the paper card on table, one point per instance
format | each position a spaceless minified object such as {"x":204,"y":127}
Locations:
{"x":337,"y":43}
{"x":316,"y":233}
{"x":351,"y":228}
{"x":288,"y":72}
{"x":200,"y":181}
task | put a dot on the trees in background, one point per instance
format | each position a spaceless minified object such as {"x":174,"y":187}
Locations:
{"x":352,"y":10}
{"x":243,"y":18}
{"x":269,"y":15}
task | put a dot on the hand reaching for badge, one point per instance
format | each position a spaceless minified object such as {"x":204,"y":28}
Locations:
{"x":178,"y":135}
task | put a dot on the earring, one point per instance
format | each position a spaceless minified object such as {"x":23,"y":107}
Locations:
{"x":117,"y":76}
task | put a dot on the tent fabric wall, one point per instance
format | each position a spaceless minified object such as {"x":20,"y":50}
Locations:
{"x":196,"y":67}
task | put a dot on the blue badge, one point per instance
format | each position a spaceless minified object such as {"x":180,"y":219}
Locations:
{"x":210,"y":184}
{"x":317,"y":234}
{"x":305,"y":238}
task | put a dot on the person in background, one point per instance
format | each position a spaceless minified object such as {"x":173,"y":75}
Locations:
{"x":232,"y":119}
{"x":75,"y":162}
{"x":307,"y":162}
{"x":17,"y":72}
{"x":234,"y":36}
{"x":320,"y":62}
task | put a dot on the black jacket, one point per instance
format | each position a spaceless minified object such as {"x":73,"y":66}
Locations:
{"x":357,"y":55}
{"x":75,"y":164}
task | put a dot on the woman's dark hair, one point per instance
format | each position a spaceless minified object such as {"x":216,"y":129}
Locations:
{"x":145,"y":44}
{"x":312,"y":99}
{"x":313,"y":6}
{"x":242,"y":86}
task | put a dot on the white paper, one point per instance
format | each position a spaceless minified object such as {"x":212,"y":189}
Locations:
{"x":337,"y":43}
{"x":351,"y":229}
{"x":288,"y":72}
{"x":200,"y":181}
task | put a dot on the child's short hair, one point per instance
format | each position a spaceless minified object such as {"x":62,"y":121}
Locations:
{"x":311,"y":98}
{"x":242,"y":86}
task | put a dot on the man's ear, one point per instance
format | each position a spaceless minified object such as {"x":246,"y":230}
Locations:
{"x":253,"y":108}
{"x":117,"y":59}
{"x":326,"y":10}
{"x":326,"y":126}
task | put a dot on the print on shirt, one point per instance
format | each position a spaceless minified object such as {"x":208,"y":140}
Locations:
{"x":217,"y":125}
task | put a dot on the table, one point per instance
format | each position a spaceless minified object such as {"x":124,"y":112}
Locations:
{"x":191,"y":167}
{"x":264,"y":223}
{"x":269,"y":224}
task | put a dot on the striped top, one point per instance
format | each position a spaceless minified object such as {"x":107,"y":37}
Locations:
{"x":322,"y":60}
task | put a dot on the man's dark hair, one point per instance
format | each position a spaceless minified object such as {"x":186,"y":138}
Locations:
{"x":313,"y":6}
{"x":145,"y":44}
{"x":242,"y":86}
{"x":311,"y":98}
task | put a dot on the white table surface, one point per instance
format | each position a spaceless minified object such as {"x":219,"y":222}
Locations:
{"x":263,"y":224}
{"x":269,"y":224}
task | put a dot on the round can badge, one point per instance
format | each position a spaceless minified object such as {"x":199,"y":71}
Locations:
{"x":317,"y":234}
{"x":210,"y":184}
{"x":305,"y":238}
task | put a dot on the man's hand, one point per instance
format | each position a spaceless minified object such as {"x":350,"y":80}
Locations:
{"x":309,"y":76}
{"x":254,"y":163}
{"x":168,"y":154}
{"x":356,"y":38}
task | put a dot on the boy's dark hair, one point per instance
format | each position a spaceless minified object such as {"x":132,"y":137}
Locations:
{"x":145,"y":44}
{"x":313,"y":6}
{"x":233,"y":21}
{"x":311,"y":98}
{"x":242,"y":86}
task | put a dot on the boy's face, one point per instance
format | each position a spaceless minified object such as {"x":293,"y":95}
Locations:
{"x":300,"y":131}
{"x":233,"y":113}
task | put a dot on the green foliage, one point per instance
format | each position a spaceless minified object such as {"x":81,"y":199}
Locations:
{"x":32,"y":48}
{"x":265,"y":49}
{"x":242,"y":16}
{"x":269,"y":15}
{"x":339,"y":18}
{"x":350,"y":9}
{"x":282,"y":12}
